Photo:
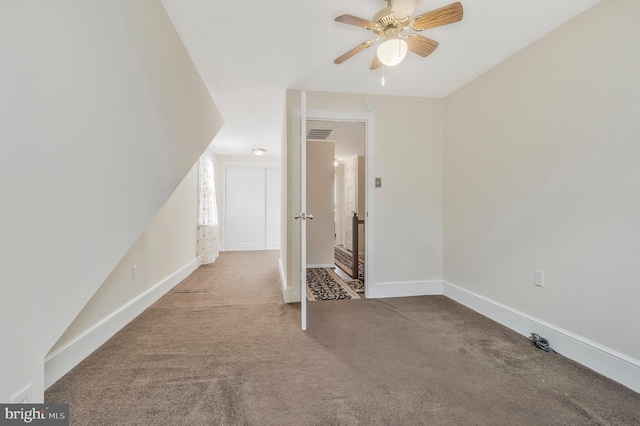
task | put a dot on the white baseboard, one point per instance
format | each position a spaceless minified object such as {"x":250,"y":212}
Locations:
{"x":288,"y":294}
{"x":405,"y":289}
{"x":608,"y":362}
{"x":291,"y":296}
{"x":322,"y":265}
{"x":62,"y":360}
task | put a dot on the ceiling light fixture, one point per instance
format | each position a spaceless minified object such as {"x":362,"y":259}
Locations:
{"x":259,"y":151}
{"x":390,"y":23}
{"x":393,"y":50}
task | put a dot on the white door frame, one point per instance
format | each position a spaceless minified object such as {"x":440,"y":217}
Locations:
{"x":303,"y":210}
{"x":368,"y":119}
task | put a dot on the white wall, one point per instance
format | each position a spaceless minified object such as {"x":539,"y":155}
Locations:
{"x":362,"y":211}
{"x":408,"y":207}
{"x":340,"y":210}
{"x":320,"y":178}
{"x":103,"y":116}
{"x":164,"y":254}
{"x":542,"y":167}
{"x":165,"y":246}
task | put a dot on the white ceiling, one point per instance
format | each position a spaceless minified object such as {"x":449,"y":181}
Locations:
{"x":250,"y":52}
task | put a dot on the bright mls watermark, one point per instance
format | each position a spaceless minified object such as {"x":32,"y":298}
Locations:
{"x":34,"y":414}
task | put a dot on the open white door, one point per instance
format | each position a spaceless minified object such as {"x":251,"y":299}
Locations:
{"x":303,"y":208}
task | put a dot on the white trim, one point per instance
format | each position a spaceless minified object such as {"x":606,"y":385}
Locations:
{"x":288,"y":294}
{"x":606,"y":361}
{"x":302,"y":287}
{"x":407,"y":288}
{"x":369,"y":118}
{"x":240,"y":165}
{"x":322,"y":265}
{"x":62,"y":360}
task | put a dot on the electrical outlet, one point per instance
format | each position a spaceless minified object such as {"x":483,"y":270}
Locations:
{"x":134,"y":272}
{"x":24,"y":396}
{"x":538,"y":278}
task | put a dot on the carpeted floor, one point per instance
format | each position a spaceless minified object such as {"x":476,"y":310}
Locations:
{"x":222,"y":349}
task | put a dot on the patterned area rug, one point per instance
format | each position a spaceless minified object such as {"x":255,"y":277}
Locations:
{"x":343,"y":260}
{"x":324,"y":284}
{"x":356,"y":285}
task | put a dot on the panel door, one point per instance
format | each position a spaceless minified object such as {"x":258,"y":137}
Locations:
{"x":245,"y":221}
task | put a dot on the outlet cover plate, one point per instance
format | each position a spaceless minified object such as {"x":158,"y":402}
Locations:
{"x":24,"y":396}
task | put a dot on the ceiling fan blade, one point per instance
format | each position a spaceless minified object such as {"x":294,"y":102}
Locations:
{"x":421,"y":45}
{"x":376,"y":63}
{"x":403,"y":8}
{"x":358,"y":22}
{"x":438,"y":17}
{"x":353,"y":51}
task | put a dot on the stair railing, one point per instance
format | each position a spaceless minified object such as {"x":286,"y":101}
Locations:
{"x":355,"y":240}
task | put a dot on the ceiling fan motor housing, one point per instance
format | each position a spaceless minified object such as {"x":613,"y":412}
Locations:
{"x":385,"y":20}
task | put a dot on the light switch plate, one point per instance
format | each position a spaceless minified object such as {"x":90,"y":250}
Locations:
{"x":378,"y":182}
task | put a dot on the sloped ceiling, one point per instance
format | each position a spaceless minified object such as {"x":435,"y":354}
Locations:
{"x":249,"y":53}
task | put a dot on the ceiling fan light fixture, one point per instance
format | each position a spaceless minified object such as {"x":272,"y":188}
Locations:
{"x":392,"y":51}
{"x":389,"y":23}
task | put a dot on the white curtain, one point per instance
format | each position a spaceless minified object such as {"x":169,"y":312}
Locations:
{"x":208,"y":233}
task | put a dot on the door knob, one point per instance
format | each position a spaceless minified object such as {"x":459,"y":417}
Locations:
{"x":303,"y":216}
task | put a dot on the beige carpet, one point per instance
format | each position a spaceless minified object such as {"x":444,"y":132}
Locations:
{"x":222,"y":349}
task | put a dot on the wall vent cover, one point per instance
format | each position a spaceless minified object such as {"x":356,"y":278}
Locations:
{"x":319,"y":134}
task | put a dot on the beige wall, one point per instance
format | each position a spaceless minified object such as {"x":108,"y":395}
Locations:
{"x":104,"y":114}
{"x":408,"y":207}
{"x":164,"y":247}
{"x":542,"y":167}
{"x":408,"y":234}
{"x":320,"y":177}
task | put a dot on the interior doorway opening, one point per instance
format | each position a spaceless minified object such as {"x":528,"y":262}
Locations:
{"x":336,"y":194}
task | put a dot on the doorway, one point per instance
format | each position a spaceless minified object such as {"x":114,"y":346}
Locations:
{"x":300,"y":116}
{"x":336,"y":194}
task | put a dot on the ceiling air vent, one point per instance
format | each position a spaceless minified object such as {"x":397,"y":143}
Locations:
{"x":319,"y":134}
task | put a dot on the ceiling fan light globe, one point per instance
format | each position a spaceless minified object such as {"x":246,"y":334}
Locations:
{"x":392,"y":51}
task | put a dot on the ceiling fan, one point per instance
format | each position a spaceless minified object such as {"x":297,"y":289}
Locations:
{"x":389,"y":23}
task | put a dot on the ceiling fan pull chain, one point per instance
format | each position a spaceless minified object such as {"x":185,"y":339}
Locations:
{"x":382,"y":82}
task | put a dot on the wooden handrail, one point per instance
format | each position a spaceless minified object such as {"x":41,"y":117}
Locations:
{"x":355,"y":268}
